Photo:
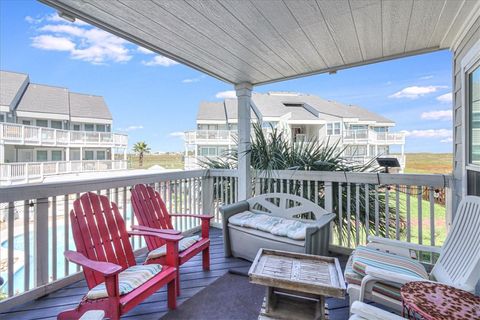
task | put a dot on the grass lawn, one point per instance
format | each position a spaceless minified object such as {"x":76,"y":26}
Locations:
{"x":429,"y":163}
{"x":168,"y":161}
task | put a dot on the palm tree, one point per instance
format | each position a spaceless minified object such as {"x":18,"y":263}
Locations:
{"x":141,"y":148}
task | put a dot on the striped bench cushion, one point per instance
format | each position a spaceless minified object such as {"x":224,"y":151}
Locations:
{"x":128,"y":280}
{"x":183,"y":245}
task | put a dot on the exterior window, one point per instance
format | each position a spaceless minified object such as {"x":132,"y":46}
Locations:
{"x":89,"y":127}
{"x":56,"y":155}
{"x":233,"y":127}
{"x":2,"y":117}
{"x":474,"y":118}
{"x":108,"y":128}
{"x":42,"y":155}
{"x":358,"y":127}
{"x":333,"y":128}
{"x":208,"y":151}
{"x":100,"y":127}
{"x":88,"y":155}
{"x":56,"y":124}
{"x":26,"y":122}
{"x":42,"y":123}
{"x":380,"y":129}
{"x":100,"y":155}
{"x":76,"y":127}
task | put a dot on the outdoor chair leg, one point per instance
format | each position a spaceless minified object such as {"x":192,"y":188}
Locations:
{"x":172,"y":294}
{"x":206,"y":259}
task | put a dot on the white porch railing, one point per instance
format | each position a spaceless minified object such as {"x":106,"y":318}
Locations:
{"x":18,"y":134}
{"x":373,"y":137}
{"x":36,"y":228}
{"x":26,"y":172}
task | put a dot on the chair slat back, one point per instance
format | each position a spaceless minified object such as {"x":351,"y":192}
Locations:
{"x":150,"y":211}
{"x":100,"y":234}
{"x":459,"y":261}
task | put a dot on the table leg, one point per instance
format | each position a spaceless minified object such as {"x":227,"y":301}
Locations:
{"x":320,"y":308}
{"x":270,"y":300}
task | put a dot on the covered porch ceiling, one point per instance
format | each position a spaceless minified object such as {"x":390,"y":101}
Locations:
{"x":262,"y":41}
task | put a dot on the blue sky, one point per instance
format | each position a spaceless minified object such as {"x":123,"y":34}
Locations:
{"x":154,"y":98}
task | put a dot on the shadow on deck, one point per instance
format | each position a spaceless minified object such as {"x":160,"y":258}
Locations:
{"x":193,"y":280}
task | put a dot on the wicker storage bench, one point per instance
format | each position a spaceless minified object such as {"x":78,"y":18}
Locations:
{"x":275,"y":221}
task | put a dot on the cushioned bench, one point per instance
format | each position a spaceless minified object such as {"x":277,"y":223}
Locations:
{"x":275,"y":221}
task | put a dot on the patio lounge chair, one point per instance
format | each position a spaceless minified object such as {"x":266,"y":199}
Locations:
{"x":275,"y":221}
{"x":152,"y":215}
{"x":377,"y":271}
{"x":116,"y":283}
{"x":363,"y":311}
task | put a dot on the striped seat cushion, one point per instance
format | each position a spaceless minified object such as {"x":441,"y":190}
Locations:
{"x":364,"y":256}
{"x":128,"y":280}
{"x":183,"y":245}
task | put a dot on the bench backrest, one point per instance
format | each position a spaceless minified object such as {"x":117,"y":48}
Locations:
{"x":286,"y":206}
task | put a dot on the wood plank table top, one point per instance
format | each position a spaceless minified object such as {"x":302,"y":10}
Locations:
{"x":303,"y":273}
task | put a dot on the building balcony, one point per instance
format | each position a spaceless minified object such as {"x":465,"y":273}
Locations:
{"x":211,"y":137}
{"x":18,"y":134}
{"x":373,"y":137}
{"x":31,"y":172}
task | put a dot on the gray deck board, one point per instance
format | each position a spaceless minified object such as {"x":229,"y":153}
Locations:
{"x":193,"y":280}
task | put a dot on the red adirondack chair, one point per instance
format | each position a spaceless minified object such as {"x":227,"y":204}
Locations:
{"x":152,"y":216}
{"x":106,"y":255}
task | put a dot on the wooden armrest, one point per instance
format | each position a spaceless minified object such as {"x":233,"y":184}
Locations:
{"x":105,"y":268}
{"x":164,"y":236}
{"x":199,"y":216}
{"x":166,"y":231}
{"x":325,"y":219}
{"x":372,"y":313}
{"x":404,"y":245}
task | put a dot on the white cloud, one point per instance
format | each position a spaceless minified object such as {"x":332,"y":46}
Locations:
{"x":426,"y":77}
{"x":447,"y":140}
{"x":429,"y":133}
{"x":177,"y":134}
{"x":131,"y":128}
{"x":437,"y":115}
{"x":83,"y":43}
{"x":229,"y":94}
{"x":192,"y":80}
{"x":54,"y":17}
{"x":49,"y":42}
{"x":415,"y":91}
{"x":445,"y":98}
{"x":144,"y":50}
{"x":160,"y":61}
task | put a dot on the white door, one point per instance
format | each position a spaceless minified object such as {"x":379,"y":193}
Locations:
{"x":25,"y":155}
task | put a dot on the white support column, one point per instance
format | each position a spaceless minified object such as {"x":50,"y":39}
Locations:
{"x":125,"y":154}
{"x":2,"y":153}
{"x":244,"y":93}
{"x":67,"y":154}
{"x":112,"y":154}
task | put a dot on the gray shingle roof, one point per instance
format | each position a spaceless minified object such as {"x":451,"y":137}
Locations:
{"x":44,"y":99}
{"x":87,"y":106}
{"x":12,"y":85}
{"x":273,"y":105}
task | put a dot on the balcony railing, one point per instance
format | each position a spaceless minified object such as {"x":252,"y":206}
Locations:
{"x":220,"y":136}
{"x":36,"y":229}
{"x":371,"y":136}
{"x":12,"y":133}
{"x":26,"y":172}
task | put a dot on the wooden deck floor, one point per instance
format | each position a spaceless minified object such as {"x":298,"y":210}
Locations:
{"x":193,"y":280}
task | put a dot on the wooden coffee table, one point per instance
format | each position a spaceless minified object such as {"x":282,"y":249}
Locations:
{"x":297,"y":284}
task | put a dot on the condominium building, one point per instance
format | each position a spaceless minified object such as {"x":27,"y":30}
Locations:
{"x":361,"y":133}
{"x":47,"y":130}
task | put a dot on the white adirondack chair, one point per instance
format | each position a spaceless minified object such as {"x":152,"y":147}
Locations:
{"x":458,"y":264}
{"x":363,"y":311}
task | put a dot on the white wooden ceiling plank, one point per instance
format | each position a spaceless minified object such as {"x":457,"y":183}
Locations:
{"x":338,"y":17}
{"x":238,"y":30}
{"x":158,"y":16}
{"x":278,"y":15}
{"x":367,"y":16}
{"x":395,"y":22}
{"x":245,"y":12}
{"x":449,"y":12}
{"x":425,"y":15}
{"x":190,"y":16}
{"x":308,"y":15}
{"x":464,"y":12}
{"x":141,"y":33}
